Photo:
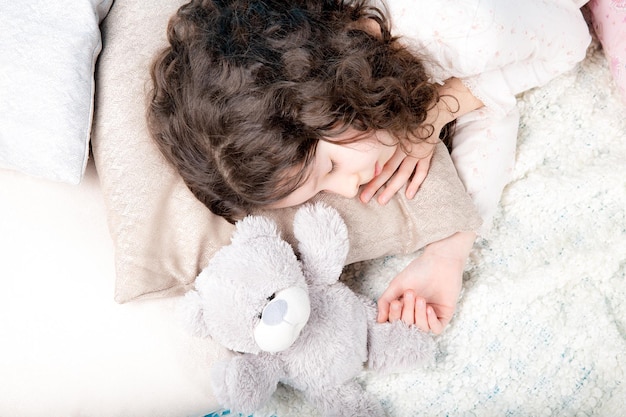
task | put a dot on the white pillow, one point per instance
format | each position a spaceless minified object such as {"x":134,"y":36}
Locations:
{"x":49,"y":50}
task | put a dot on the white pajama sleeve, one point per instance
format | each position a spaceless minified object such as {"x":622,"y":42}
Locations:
{"x":498,"y":48}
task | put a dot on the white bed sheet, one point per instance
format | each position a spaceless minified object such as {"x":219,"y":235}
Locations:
{"x":67,"y":349}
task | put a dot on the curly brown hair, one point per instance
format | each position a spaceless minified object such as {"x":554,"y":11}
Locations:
{"x":246,"y":89}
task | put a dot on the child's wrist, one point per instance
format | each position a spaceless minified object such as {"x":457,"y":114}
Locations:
{"x":443,"y":112}
{"x":456,"y":100}
{"x":457,"y":246}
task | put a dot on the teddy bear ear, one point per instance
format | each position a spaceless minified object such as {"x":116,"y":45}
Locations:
{"x":191,"y":314}
{"x":323,"y":244}
{"x":251,"y":227}
{"x":321,"y":225}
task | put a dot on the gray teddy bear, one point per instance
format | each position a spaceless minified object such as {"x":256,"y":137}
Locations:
{"x":293,"y":321}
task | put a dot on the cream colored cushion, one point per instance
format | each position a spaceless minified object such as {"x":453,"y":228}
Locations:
{"x":162,"y":235}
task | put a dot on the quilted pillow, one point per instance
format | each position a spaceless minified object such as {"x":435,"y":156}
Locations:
{"x":49,"y":50}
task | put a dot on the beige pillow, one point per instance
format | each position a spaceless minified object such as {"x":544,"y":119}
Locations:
{"x":162,"y":235}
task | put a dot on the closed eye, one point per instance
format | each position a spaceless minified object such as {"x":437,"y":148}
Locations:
{"x":333,"y":166}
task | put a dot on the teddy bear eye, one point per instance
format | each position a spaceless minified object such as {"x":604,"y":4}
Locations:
{"x":270,"y":298}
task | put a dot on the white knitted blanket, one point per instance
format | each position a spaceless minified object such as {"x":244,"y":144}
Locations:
{"x":541,"y":325}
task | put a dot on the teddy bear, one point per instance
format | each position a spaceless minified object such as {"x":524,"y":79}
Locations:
{"x":292,"y":321}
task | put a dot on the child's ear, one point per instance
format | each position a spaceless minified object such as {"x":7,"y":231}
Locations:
{"x":191,"y":314}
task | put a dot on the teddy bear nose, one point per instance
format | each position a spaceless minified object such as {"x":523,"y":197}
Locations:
{"x":275,"y":312}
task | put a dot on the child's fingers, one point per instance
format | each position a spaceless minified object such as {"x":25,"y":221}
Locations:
{"x":391,"y":294}
{"x":372,"y":187}
{"x":421,"y":319}
{"x":379,"y":181}
{"x":421,"y":171}
{"x":398,"y":180}
{"x":408,"y":307}
{"x":395,"y":310}
{"x":383,"y":311}
{"x":436,"y":326}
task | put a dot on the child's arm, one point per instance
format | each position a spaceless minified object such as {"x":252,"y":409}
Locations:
{"x":455,"y":101}
{"x":426,"y":292}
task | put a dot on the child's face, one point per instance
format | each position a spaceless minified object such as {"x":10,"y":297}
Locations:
{"x":342,"y":168}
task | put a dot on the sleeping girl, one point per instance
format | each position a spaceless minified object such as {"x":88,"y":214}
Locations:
{"x":265,"y":104}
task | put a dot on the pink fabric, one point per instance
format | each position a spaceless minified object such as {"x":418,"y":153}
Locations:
{"x":609,"y":22}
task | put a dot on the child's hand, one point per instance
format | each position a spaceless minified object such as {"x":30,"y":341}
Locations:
{"x":455,"y":100}
{"x":400,"y":169}
{"x":426,"y":292}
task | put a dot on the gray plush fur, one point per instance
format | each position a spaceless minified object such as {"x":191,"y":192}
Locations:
{"x":340,"y":337}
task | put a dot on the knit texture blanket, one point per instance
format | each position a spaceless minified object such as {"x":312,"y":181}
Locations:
{"x":541,"y":325}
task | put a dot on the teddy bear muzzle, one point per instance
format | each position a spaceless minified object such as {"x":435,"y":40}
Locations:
{"x":282,"y":320}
